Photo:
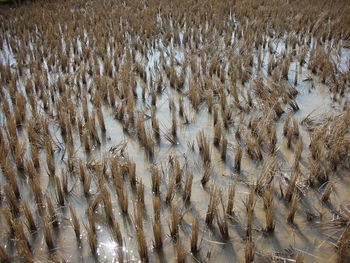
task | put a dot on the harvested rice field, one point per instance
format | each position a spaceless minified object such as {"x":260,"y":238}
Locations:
{"x":175,"y":131}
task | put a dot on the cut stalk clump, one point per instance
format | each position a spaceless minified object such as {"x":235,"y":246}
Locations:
{"x":157,"y":232}
{"x":188,"y":187}
{"x":194,"y":236}
{"x":206,"y":175}
{"x":156,"y":180}
{"x":224,"y":148}
{"x":292,"y":208}
{"x":291,"y":186}
{"x":175,"y":220}
{"x":223,"y":226}
{"x":52,"y":213}
{"x":204,"y":147}
{"x":269,"y":209}
{"x":47,"y":234}
{"x":140,"y":194}
{"x":142,"y":245}
{"x":29,"y":216}
{"x":230,"y":199}
{"x":59,"y":192}
{"x":217,"y":133}
{"x":238,"y":159}
{"x":212,"y":206}
{"x":170,"y":193}
{"x":75,"y":221}
{"x":180,"y":252}
{"x":250,"y":211}
{"x":327,"y":192}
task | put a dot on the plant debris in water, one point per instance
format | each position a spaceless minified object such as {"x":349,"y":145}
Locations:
{"x":185,"y":131}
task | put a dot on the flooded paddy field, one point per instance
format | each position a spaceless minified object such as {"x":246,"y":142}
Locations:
{"x":175,"y":131}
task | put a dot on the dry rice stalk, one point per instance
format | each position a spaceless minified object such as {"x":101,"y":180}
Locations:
{"x":342,"y":244}
{"x":116,"y":231}
{"x":157,"y":232}
{"x":156,"y":223}
{"x":206,"y":175}
{"x":92,"y":240}
{"x":181,"y":107}
{"x":250,"y":211}
{"x":291,"y":186}
{"x":12,"y":200}
{"x":107,"y":204}
{"x":300,"y":258}
{"x":156,"y":179}
{"x":8,"y":216}
{"x":212,"y":206}
{"x":50,"y":156}
{"x":170,"y":193}
{"x":180,"y":252}
{"x":215,"y":116}
{"x":48,"y":234}
{"x":52,"y":212}
{"x":230,"y":199}
{"x":204,"y":147}
{"x":273,"y":139}
{"x":174,"y":222}
{"x":298,"y":152}
{"x":238,"y":159}
{"x":34,"y":183}
{"x":292,"y":208}
{"x":327,"y":192}
{"x":123,"y":200}
{"x":286,"y":125}
{"x":217,"y":133}
{"x":254,"y":148}
{"x":289,"y":137}
{"x":101,"y":120}
{"x":132,"y":173}
{"x":269,"y":209}
{"x":194,"y":236}
{"x":177,"y":171}
{"x":155,"y":126}
{"x":142,"y":245}
{"x":249,"y":250}
{"x":91,"y":218}
{"x":223,"y":226}
{"x":174,"y":126}
{"x":224,"y":148}
{"x":75,"y":221}
{"x":140,"y":193}
{"x":29,"y":216}
{"x":19,"y":232}
{"x":188,"y":187}
{"x":23,"y":244}
{"x":59,"y":192}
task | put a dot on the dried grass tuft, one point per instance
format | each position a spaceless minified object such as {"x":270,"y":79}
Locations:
{"x":293,"y":208}
{"x":188,"y":187}
{"x":180,"y":252}
{"x":212,"y":206}
{"x":75,"y":221}
{"x":230,"y":199}
{"x":194,"y":236}
{"x":156,"y":180}
{"x":47,"y":233}
{"x":175,"y":220}
{"x":29,"y":216}
{"x":204,"y":147}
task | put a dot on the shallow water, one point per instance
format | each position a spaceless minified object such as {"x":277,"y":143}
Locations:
{"x":307,"y":237}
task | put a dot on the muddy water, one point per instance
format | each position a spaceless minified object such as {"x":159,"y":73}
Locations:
{"x":306,"y":237}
